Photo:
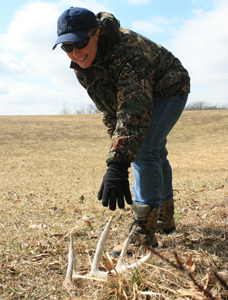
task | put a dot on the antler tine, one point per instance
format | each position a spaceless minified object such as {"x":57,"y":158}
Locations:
{"x":95,"y":273}
{"x":145,"y":259}
{"x":99,"y":250}
{"x":120,"y":267}
{"x":71,"y":269}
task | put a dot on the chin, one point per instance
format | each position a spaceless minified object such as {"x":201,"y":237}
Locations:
{"x":85,"y":66}
{"x":85,"y":63}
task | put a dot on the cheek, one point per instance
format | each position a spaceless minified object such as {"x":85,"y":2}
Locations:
{"x":93,"y":50}
{"x":69,"y":54}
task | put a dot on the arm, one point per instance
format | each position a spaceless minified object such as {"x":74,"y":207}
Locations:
{"x":135,"y":103}
{"x":110,"y":122}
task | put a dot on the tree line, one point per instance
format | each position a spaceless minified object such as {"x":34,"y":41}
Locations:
{"x":92,"y":109}
{"x":201,"y":105}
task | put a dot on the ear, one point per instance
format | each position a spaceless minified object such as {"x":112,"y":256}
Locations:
{"x":97,"y":34}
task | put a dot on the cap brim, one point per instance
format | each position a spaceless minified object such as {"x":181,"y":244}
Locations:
{"x":71,"y":37}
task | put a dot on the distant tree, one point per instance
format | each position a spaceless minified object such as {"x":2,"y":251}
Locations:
{"x":80,"y":111}
{"x":65,"y":109}
{"x":90,"y":109}
{"x":201,"y":105}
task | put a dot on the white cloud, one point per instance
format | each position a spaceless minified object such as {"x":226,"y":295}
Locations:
{"x":138,"y":2}
{"x":36,"y":80}
{"x":29,"y":98}
{"x":32,"y":28}
{"x":93,"y":5}
{"x":202,"y":45}
{"x":33,"y":78}
{"x":154,"y":26}
{"x":11,"y":65}
{"x":145,"y":26}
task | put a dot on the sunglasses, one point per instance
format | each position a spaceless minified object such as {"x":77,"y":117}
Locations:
{"x":78,"y":45}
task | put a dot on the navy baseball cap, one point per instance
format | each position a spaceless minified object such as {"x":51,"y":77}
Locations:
{"x":74,"y":24}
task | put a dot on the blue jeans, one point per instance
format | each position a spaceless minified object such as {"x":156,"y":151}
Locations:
{"x":151,"y":169}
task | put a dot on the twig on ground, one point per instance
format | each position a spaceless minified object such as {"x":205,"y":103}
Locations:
{"x":179,"y":266}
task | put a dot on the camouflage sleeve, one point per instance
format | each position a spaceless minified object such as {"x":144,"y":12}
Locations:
{"x":135,"y":103}
{"x":110,"y":122}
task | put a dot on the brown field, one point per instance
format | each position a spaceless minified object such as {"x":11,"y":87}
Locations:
{"x":51,"y":170}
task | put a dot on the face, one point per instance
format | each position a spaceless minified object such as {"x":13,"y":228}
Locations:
{"x":84,"y":57}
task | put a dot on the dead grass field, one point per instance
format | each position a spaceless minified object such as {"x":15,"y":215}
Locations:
{"x":51,"y":170}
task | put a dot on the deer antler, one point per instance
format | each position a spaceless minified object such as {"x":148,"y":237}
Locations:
{"x":95,"y":273}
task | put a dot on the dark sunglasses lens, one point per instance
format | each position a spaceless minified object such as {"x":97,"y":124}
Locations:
{"x":82,"y":44}
{"x":78,"y":45}
{"x":67,"y":48}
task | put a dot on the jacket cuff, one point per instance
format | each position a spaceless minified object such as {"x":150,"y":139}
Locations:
{"x":116,"y":156}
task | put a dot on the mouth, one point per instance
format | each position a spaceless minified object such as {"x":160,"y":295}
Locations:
{"x":81,"y":59}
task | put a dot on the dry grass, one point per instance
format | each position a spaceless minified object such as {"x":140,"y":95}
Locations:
{"x":51,"y":170}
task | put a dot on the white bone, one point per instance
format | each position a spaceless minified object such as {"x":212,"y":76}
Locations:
{"x":100,"y":247}
{"x":95,"y":273}
{"x":120,"y":267}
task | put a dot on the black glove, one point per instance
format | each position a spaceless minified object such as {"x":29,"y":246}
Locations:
{"x":115,"y":185}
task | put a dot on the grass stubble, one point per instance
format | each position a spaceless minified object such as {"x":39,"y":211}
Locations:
{"x":51,"y":170}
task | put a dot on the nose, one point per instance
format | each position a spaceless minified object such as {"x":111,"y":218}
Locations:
{"x":76,"y":52}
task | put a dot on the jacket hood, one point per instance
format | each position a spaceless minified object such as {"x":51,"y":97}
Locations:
{"x":109,"y":27}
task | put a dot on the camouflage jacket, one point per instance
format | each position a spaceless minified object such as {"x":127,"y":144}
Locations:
{"x":129,"y":73}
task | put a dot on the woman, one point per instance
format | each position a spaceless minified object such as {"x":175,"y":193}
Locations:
{"x":141,"y":89}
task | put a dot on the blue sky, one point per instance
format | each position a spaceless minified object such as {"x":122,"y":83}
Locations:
{"x":34,"y":80}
